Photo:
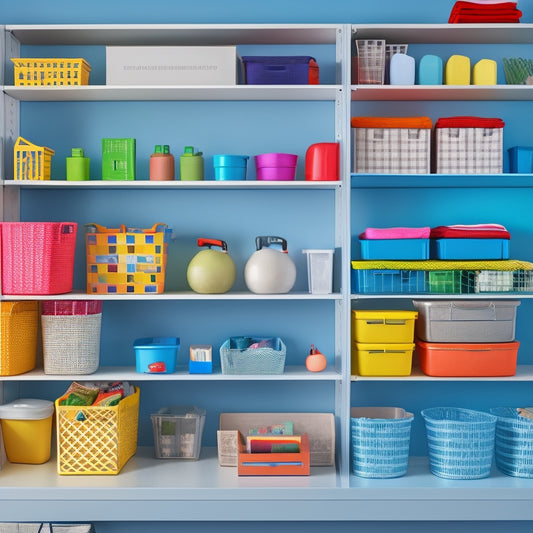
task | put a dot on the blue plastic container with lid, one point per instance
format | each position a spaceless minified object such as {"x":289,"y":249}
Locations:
{"x":230,"y":167}
{"x":156,"y":355}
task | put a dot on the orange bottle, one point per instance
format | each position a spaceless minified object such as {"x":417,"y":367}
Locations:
{"x":162,"y":164}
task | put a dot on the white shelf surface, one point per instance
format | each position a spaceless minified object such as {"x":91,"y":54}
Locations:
{"x":127,"y":373}
{"x":441,"y":92}
{"x":158,"y":489}
{"x":441,"y":181}
{"x":92,"y":93}
{"x":170,"y":295}
{"x":433,"y":296}
{"x":523,"y":373}
{"x":175,"y":184}
{"x":174,"y":34}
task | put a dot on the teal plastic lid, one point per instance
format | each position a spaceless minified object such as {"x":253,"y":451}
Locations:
{"x":27,"y":409}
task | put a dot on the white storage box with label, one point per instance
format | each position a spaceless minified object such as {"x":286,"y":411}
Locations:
{"x":172,"y":65}
{"x":469,"y":145}
{"x":392,"y":145}
{"x":466,"y":320}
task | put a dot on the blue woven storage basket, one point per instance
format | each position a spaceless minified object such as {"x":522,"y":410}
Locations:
{"x":253,"y":360}
{"x":380,"y":446}
{"x":513,"y":443}
{"x":460,"y":442}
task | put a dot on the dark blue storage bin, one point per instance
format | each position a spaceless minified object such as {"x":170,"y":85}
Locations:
{"x":280,"y":70}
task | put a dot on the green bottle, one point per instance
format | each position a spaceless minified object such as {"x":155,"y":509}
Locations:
{"x":77,"y":166}
{"x":191,"y":165}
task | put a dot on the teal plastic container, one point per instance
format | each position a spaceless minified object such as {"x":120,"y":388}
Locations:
{"x":156,"y":355}
{"x":230,"y":167}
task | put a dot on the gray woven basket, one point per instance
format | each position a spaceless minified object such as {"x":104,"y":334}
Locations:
{"x":71,"y":344}
{"x":253,"y":361}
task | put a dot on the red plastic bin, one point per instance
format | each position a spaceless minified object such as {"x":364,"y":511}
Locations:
{"x":475,"y":359}
{"x":37,"y":257}
{"x":71,"y":307}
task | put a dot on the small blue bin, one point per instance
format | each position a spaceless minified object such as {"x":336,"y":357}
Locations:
{"x":366,"y":281}
{"x":521,"y":159}
{"x":483,"y":249}
{"x":230,"y":167}
{"x":156,"y":355}
{"x":395,"y":249}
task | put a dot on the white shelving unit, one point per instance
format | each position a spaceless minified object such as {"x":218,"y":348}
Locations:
{"x":153,"y":490}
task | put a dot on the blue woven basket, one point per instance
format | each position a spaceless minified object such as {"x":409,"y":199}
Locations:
{"x":380,"y":446}
{"x":460,"y":442}
{"x":513,"y":443}
{"x":253,"y":360}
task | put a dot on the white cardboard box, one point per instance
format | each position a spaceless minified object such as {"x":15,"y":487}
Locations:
{"x":172,"y":65}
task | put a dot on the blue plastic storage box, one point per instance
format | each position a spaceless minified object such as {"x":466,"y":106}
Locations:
{"x":281,"y":70}
{"x":392,"y":249}
{"x":156,"y":355}
{"x":521,"y":159}
{"x":482,"y":249}
{"x":388,"y":281}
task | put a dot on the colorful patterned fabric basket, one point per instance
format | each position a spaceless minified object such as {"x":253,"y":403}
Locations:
{"x":514,"y":442}
{"x":126,"y":260}
{"x":380,"y":442}
{"x":38,"y":257}
{"x":252,"y":360}
{"x":18,"y":337}
{"x":96,"y":439}
{"x":460,"y":442}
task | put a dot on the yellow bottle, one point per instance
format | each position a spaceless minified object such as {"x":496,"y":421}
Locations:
{"x":457,"y":70}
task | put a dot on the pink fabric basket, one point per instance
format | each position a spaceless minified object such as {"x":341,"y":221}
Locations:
{"x":37,"y":257}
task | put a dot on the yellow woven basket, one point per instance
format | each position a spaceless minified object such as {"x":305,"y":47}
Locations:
{"x":31,"y":162}
{"x":96,"y":439}
{"x":18,"y":337}
{"x":51,"y":71}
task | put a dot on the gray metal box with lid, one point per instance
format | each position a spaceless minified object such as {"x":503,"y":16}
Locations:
{"x":466,"y":320}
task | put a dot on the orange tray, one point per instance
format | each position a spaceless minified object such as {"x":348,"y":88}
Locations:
{"x":275,"y":464}
{"x":467,"y":359}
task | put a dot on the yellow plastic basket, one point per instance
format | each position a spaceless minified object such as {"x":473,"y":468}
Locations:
{"x":126,"y":260}
{"x":18,"y":337}
{"x":51,"y":71}
{"x":31,"y":162}
{"x":96,"y":439}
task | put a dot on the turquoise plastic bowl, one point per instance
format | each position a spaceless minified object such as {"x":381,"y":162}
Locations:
{"x":230,"y":167}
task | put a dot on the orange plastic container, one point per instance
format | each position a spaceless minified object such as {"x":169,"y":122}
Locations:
{"x":467,"y":359}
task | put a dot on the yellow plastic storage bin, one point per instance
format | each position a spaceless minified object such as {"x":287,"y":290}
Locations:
{"x":96,"y":439}
{"x":18,"y":337}
{"x":382,"y":359}
{"x":27,"y":430}
{"x":31,"y":162}
{"x":378,"y":326}
{"x":51,"y":71}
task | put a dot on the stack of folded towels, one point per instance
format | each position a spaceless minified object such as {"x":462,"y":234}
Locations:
{"x":488,"y":11}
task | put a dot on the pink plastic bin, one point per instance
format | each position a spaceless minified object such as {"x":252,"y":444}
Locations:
{"x":276,"y":166}
{"x":37,"y":257}
{"x":71,"y":307}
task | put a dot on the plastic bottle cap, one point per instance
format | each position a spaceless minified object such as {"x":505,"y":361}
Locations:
{"x":166,"y":149}
{"x":77,"y":152}
{"x":188,"y":150}
{"x":157,"y":149}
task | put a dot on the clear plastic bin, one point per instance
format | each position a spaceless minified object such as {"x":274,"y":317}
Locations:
{"x":178,"y":432}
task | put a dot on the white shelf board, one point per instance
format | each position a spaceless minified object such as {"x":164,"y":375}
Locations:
{"x":92,"y":93}
{"x":186,"y":490}
{"x":523,"y":373}
{"x":187,"y":295}
{"x":446,"y":33}
{"x":441,"y":181}
{"x":433,"y":296}
{"x":175,"y":184}
{"x":441,"y":92}
{"x":127,"y":373}
{"x":174,"y":34}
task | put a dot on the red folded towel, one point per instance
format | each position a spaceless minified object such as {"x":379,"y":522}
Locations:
{"x":469,"y":122}
{"x":463,"y":11}
{"x":472,"y":231}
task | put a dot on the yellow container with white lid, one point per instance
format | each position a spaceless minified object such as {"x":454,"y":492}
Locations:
{"x":27,"y":430}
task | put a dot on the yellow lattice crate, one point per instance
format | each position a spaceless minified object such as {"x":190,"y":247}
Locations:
{"x":51,"y":71}
{"x":31,"y":162}
{"x":96,"y":439}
